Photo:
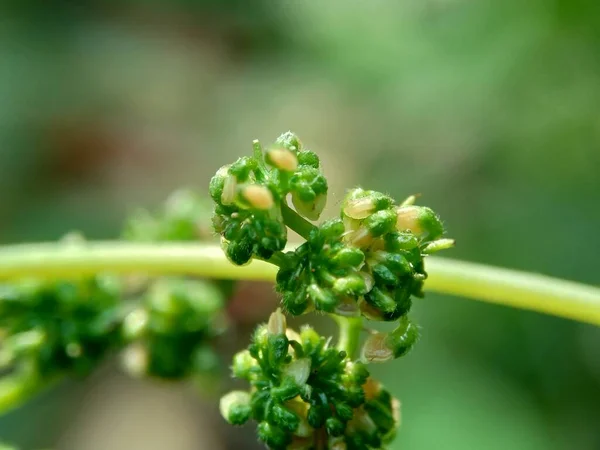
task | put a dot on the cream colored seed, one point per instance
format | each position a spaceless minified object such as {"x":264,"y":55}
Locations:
{"x":259,"y":196}
{"x":283,"y":159}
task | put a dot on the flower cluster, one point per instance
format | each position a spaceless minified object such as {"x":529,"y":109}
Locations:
{"x":52,"y":328}
{"x":250,"y":197}
{"x":307,"y":395}
{"x":169,"y":333}
{"x":369,"y":262}
{"x":166,"y":326}
{"x":185,"y":216}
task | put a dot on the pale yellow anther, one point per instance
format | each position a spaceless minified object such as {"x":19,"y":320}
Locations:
{"x":359,"y":208}
{"x":229,"y":188}
{"x":259,"y":196}
{"x":407,"y":218}
{"x":283,"y":159}
{"x":277,"y":323}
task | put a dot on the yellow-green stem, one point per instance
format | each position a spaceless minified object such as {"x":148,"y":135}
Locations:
{"x":475,"y":281}
{"x":350,"y":328}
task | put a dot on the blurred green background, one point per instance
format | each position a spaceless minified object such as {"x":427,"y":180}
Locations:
{"x":488,"y":109}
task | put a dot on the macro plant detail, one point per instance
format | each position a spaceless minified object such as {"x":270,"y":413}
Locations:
{"x":368,"y":262}
{"x":158,"y":298}
{"x":305,"y":394}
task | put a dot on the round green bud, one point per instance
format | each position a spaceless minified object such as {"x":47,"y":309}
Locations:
{"x":352,"y":284}
{"x":284,"y":418}
{"x":381,"y":300}
{"x":344,"y":411}
{"x":243,"y":363}
{"x":235,"y":407}
{"x":238,"y":252}
{"x":308,"y":158}
{"x":380,"y":222}
{"x":241,"y":168}
{"x":395,"y":242}
{"x":273,"y":436}
{"x":348,"y":257}
{"x":289,"y":141}
{"x":384,"y":276}
{"x":335,"y":427}
{"x":323,"y":299}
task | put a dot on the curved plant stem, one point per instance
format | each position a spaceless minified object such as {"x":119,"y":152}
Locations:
{"x":295,"y":221}
{"x":350,"y":328}
{"x":476,"y":281}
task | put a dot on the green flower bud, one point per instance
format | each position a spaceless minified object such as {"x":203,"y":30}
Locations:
{"x":242,"y":168}
{"x":235,"y":407}
{"x":324,"y":300}
{"x":381,"y":300}
{"x":243,"y":363}
{"x":273,"y":436}
{"x":353,"y":284}
{"x":420,"y":220}
{"x":348,"y":257}
{"x":308,"y":158}
{"x":309,"y":191}
{"x":284,"y":418}
{"x":289,"y":141}
{"x":335,"y":427}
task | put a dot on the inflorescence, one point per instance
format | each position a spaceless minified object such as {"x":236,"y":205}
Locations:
{"x":162,"y":327}
{"x":368,"y":262}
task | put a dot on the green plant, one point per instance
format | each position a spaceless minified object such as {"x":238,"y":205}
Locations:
{"x":158,"y":298}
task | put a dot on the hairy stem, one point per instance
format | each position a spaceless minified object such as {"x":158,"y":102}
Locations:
{"x":350,"y":328}
{"x":295,"y":221}
{"x":476,"y":281}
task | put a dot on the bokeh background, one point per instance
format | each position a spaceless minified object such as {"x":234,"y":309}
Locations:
{"x":489,"y":109}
